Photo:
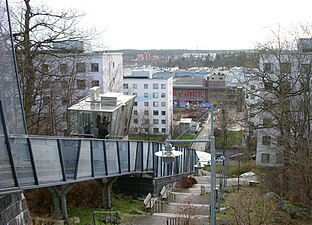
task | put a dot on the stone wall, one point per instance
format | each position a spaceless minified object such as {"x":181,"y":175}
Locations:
{"x":14,"y":210}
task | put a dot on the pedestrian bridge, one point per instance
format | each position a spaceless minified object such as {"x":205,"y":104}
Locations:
{"x":29,"y":162}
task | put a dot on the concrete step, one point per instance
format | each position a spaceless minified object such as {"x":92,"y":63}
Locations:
{"x":202,"y":179}
{"x":194,"y":198}
{"x":180,"y":208}
{"x":177,"y":215}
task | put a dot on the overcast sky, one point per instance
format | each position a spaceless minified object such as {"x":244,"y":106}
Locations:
{"x":187,"y":24}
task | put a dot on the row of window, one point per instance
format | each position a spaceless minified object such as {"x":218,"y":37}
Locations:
{"x":82,"y":84}
{"x":155,"y":104}
{"x":145,"y":86}
{"x":285,"y":68}
{"x":147,"y":121}
{"x":267,"y":140}
{"x":146,"y":112}
{"x":156,"y":130}
{"x":80,"y":68}
{"x":266,"y":158}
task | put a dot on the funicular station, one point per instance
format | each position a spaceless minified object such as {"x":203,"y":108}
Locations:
{"x":58,"y":163}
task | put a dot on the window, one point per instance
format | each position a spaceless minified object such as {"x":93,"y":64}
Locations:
{"x":135,"y":121}
{"x":135,"y":112}
{"x":268,"y":85}
{"x":163,"y":95}
{"x":145,"y":103}
{"x":64,"y":84}
{"x":155,"y":86}
{"x":135,"y":86}
{"x":94,"y":67}
{"x":265,"y":157}
{"x":268,"y":67}
{"x":155,"y":94}
{"x":95,"y":83}
{"x":145,"y":86}
{"x":279,"y":157}
{"x":155,"y":121}
{"x":155,"y":112}
{"x":253,"y":87}
{"x":125,"y":86}
{"x":81,"y":84}
{"x":305,"y":68}
{"x":285,"y":68}
{"x":146,"y":121}
{"x":145,"y":95}
{"x":163,"y":121}
{"x":63,"y":68}
{"x":46,"y":84}
{"x":163,"y":130}
{"x":267,"y":104}
{"x":80,"y":67}
{"x":146,"y":112}
{"x":163,"y":86}
{"x":280,"y":141}
{"x":136,"y":130}
{"x":146,"y":130}
{"x":45,"y":68}
{"x":65,"y":100}
{"x":155,"y":104}
{"x":156,"y":130}
{"x":266,"y":140}
{"x":163,"y":113}
{"x":267,"y":122}
{"x":163,"y":104}
{"x":135,"y":104}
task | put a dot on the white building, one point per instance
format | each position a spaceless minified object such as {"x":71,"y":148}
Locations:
{"x":285,"y":77}
{"x":66,"y":75}
{"x":153,"y":106}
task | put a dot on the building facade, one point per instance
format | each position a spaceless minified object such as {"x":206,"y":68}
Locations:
{"x":212,"y":88}
{"x":64,"y":77}
{"x":285,"y":104}
{"x":153,"y":106}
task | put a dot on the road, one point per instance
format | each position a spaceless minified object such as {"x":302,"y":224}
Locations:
{"x":203,"y":135}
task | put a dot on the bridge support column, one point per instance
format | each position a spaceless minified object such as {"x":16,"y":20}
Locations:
{"x":60,"y":203}
{"x":106,"y":184}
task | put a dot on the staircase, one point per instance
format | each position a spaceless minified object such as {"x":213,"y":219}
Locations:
{"x":192,"y":203}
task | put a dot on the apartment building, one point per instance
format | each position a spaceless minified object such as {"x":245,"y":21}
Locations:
{"x":153,"y":106}
{"x":284,"y":103}
{"x":66,"y":75}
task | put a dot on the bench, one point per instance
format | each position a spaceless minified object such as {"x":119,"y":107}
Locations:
{"x":149,"y":201}
{"x":164,"y":192}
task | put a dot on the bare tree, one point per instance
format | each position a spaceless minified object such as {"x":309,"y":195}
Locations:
{"x":284,"y":112}
{"x":36,"y":31}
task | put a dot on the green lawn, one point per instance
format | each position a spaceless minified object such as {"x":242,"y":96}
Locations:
{"x":120,"y":204}
{"x":234,"y":139}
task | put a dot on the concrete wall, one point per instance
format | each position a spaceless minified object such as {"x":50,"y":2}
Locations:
{"x":13,"y":209}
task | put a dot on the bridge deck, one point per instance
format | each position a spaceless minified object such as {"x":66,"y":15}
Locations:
{"x":33,"y":162}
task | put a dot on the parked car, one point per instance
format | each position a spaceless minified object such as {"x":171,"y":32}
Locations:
{"x":219,"y":156}
{"x":235,"y":156}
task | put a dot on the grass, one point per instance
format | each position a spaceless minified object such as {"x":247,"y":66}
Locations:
{"x":234,"y":139}
{"x":120,"y":204}
{"x":233,"y":170}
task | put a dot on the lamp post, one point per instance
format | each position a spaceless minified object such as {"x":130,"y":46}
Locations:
{"x":169,"y":154}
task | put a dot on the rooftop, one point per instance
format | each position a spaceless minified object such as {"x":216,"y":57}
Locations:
{"x":107,"y":102}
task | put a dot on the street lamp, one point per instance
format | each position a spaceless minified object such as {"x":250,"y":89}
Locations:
{"x":168,"y":155}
